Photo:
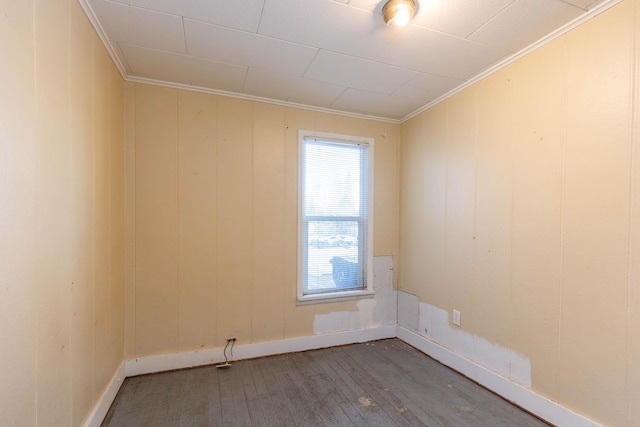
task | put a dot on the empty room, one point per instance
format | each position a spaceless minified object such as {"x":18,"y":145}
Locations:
{"x":320,"y":212}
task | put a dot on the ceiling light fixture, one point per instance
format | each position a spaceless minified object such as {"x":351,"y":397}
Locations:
{"x":398,"y":12}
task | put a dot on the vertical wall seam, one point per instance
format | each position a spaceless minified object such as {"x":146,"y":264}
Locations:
{"x":253,"y":226}
{"x":93,"y":234}
{"x":511,"y":217}
{"x":399,"y":131}
{"x":563,"y":138}
{"x":475,"y":218}
{"x":110,"y":217}
{"x":35,"y":195}
{"x":71,"y":199}
{"x":633,"y":133}
{"x":214,"y":276}
{"x":253,"y":219}
{"x":217,"y":214}
{"x":283,"y":244}
{"x":135,"y":221}
{"x":445,"y":245}
{"x":177,"y":225}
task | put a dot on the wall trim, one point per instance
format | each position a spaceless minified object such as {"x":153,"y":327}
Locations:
{"x":193,"y":88}
{"x":104,"y":403}
{"x":168,"y":362}
{"x":597,"y":10}
{"x":527,"y":399}
{"x":103,"y":37}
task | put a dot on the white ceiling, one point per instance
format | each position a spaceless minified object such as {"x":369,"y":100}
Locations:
{"x":328,"y":54}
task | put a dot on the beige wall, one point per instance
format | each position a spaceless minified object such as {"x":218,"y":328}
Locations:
{"x":61,"y":215}
{"x":211,"y":218}
{"x":520,"y":208}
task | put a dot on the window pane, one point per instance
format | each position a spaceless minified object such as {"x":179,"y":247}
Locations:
{"x":334,"y":217}
{"x":332,"y":179}
{"x":333,"y":255}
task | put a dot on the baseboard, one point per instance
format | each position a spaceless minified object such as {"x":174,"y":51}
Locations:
{"x":536,"y":404}
{"x":168,"y":362}
{"x":544,"y":408}
{"x":104,"y":403}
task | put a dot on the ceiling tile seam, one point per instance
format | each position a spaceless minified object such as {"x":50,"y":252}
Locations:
{"x":189,"y":56}
{"x":293,"y":75}
{"x":259,"y":34}
{"x":401,"y":85}
{"x":261,"y":16}
{"x":183,"y":17}
{"x":251,"y":33}
{"x":338,"y":97}
{"x":371,"y":92}
{"x":490,"y":19}
{"x":255,"y":33}
{"x":373,"y":12}
{"x":507,"y":52}
{"x":124,"y":57}
{"x":201,"y":89}
{"x":244,"y":79}
{"x":137,"y":79}
{"x":600,"y":8}
{"x":603,"y":6}
{"x":511,"y":4}
{"x":304,"y":73}
{"x":184,"y":36}
{"x":377,"y":58}
{"x":374,"y":62}
{"x":465,"y":39}
{"x":395,"y":93}
{"x":420,"y":72}
{"x":351,"y":55}
{"x":352,"y":87}
{"x":125,"y":5}
{"x":586,"y":9}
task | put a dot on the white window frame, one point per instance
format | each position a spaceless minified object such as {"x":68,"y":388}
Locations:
{"x":332,"y":296}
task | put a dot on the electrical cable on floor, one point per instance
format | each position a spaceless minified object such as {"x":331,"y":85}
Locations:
{"x":226,"y":364}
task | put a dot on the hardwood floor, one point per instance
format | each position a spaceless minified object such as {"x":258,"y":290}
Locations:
{"x":382,"y":383}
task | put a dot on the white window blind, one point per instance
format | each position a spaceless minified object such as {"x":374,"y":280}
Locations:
{"x":334,"y":215}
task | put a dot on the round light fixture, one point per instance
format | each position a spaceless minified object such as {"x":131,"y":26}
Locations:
{"x":398,"y":12}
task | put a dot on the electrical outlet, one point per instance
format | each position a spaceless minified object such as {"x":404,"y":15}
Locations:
{"x":456,"y":317}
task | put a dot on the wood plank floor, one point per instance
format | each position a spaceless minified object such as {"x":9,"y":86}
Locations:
{"x":382,"y":383}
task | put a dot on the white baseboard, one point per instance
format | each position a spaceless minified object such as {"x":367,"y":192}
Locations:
{"x":168,"y":362}
{"x":536,"y":404}
{"x":521,"y":396}
{"x":102,"y":406}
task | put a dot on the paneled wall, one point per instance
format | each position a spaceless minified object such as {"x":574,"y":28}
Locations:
{"x":61,"y":215}
{"x":520,"y":209}
{"x":211,"y":218}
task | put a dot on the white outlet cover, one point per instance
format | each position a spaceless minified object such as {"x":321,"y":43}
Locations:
{"x":456,"y":317}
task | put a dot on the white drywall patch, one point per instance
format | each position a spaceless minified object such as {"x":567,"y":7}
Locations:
{"x":433,"y":323}
{"x":408,"y":311}
{"x":378,"y":311}
{"x":510,"y":390}
{"x":520,"y":369}
{"x":385,"y":311}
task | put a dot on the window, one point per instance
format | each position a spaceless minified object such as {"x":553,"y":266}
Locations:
{"x":335,"y":216}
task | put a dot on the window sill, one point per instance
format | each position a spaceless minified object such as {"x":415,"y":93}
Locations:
{"x":333,"y":297}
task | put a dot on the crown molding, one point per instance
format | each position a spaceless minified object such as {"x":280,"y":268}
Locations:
{"x":597,"y":10}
